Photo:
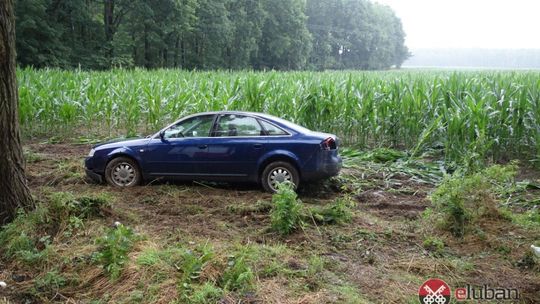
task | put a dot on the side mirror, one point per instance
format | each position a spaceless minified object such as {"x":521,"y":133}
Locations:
{"x":162,"y":135}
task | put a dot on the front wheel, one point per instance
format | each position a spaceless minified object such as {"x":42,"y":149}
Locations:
{"x":279,"y":172}
{"x":123,"y":172}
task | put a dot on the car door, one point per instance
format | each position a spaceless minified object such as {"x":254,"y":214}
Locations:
{"x":237,"y":143}
{"x":183,"y":149}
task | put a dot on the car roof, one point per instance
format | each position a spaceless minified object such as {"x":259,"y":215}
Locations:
{"x":275,"y":119}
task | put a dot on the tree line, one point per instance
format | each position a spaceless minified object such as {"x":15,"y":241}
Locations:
{"x":208,"y":34}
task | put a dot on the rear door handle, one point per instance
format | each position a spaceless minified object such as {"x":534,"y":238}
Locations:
{"x":202,"y":147}
{"x":257,"y":146}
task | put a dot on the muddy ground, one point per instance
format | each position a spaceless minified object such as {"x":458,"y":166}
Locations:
{"x":378,"y":257}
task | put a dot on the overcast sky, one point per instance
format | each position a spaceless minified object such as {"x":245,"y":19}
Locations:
{"x":469,"y":23}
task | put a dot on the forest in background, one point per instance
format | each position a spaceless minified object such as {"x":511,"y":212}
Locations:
{"x":209,"y":34}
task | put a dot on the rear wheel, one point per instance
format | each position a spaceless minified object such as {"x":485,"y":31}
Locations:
{"x":279,"y":172}
{"x":123,"y":172}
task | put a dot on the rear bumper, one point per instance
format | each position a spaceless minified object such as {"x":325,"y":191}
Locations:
{"x":328,"y":165}
{"x":332,"y":168}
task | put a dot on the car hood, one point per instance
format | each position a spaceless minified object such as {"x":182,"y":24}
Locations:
{"x":122,"y":142}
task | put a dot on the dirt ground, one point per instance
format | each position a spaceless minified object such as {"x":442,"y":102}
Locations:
{"x":378,"y":257}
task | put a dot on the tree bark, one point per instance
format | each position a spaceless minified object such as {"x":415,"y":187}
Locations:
{"x":146,"y":47}
{"x":14,"y":192}
{"x":176,"y":52}
{"x":108,"y":21}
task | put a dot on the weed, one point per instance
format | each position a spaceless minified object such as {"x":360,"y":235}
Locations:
{"x":192,"y":264}
{"x":149,"y":257}
{"x":529,"y":261}
{"x":338,"y":212}
{"x":461,"y":200}
{"x":434,"y":245}
{"x":365,"y":234}
{"x":527,"y":219}
{"x":206,"y":293}
{"x":259,"y":207}
{"x":24,"y":240}
{"x":52,"y":281}
{"x":285,"y":215}
{"x":237,"y":275}
{"x":349,"y":295}
{"x":32,"y":157}
{"x":503,"y":250}
{"x":114,"y":249}
{"x":64,"y":203}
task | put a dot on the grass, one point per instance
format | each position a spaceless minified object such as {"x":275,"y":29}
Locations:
{"x":467,"y":117}
{"x":197,"y":244}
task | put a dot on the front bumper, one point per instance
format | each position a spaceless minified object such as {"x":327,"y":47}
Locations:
{"x":94,"y":176}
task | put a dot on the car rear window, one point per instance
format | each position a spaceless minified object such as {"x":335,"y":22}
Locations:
{"x":271,"y":130}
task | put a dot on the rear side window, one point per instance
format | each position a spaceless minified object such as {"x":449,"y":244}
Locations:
{"x":238,"y":125}
{"x":271,"y":130}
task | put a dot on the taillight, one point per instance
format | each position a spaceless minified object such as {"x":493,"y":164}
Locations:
{"x":328,"y":144}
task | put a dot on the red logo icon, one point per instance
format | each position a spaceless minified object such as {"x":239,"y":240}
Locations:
{"x":434,"y":291}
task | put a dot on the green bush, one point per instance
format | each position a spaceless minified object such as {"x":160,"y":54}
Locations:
{"x":461,"y":200}
{"x":114,"y":249}
{"x":285,"y":214}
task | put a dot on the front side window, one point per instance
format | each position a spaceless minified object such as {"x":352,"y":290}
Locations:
{"x":198,"y":126}
{"x":238,"y":125}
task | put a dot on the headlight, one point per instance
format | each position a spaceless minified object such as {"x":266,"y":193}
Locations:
{"x":91,"y":153}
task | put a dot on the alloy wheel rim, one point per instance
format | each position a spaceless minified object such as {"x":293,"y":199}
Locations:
{"x":123,"y":174}
{"x":277,"y":176}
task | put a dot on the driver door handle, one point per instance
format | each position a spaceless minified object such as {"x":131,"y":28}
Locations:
{"x":257,"y":146}
{"x":202,"y":147}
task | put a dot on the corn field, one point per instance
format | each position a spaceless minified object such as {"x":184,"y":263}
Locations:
{"x":476,"y":115}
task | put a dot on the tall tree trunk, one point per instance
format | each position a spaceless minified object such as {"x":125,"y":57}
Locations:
{"x":146,"y":47}
{"x":108,"y":21}
{"x":176,"y":52}
{"x":14,"y":192}
{"x":183,"y":52}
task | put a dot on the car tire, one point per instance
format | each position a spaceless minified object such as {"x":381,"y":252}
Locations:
{"x":123,"y":172}
{"x":281,"y":170}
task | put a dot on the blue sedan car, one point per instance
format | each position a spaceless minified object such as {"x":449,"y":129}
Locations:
{"x":220,"y":146}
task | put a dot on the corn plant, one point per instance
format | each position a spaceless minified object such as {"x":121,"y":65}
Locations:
{"x":469,"y":115}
